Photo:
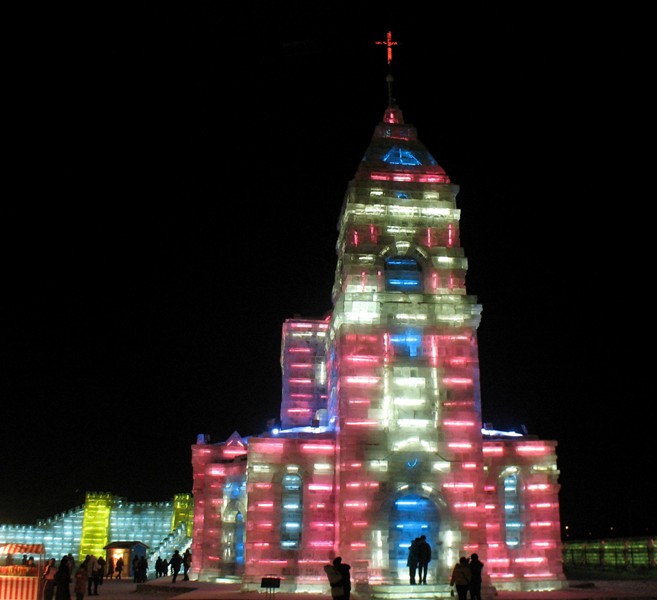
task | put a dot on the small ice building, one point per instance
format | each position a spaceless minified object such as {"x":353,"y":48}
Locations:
{"x":381,"y":435}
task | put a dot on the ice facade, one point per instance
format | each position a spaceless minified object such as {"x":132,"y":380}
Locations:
{"x":381,"y":435}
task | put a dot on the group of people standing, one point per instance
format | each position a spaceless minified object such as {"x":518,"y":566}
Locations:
{"x":139,"y":569}
{"x":466,"y":577}
{"x":87,"y":577}
{"x":419,"y":556}
{"x":91,"y":572}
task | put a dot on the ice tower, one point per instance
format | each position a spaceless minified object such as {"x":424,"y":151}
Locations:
{"x":382,"y":437}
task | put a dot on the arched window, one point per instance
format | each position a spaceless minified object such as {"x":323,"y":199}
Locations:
{"x":291,"y":511}
{"x":512,"y":516}
{"x":403,"y":274}
{"x":407,"y":342}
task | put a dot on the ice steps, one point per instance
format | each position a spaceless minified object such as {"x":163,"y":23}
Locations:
{"x":409,"y":592}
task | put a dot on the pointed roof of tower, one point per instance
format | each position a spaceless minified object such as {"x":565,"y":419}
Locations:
{"x":395,"y":152}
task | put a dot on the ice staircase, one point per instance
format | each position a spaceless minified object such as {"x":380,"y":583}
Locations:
{"x":409,"y":592}
{"x":176,"y":540}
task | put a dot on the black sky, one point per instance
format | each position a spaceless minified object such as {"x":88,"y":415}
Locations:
{"x":172,"y":189}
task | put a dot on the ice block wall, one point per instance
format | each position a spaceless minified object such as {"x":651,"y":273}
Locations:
{"x":522,"y":505}
{"x":303,"y":367}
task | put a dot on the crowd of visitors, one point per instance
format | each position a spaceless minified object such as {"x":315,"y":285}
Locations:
{"x":92,"y":571}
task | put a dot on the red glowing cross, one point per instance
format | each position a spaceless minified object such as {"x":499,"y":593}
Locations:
{"x":389,"y":43}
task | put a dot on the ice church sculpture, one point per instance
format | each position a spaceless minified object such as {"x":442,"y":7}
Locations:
{"x":381,"y":435}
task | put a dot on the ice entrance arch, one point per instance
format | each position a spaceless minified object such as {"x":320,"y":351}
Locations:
{"x":411,"y":516}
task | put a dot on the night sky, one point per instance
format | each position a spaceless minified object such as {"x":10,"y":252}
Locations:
{"x":171,"y":194}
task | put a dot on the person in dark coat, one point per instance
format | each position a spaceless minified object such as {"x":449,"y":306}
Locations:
{"x":119,"y":567}
{"x":99,"y":574}
{"x":424,"y":556}
{"x":187,"y":563}
{"x":175,"y":564}
{"x":344,"y":570}
{"x":476,"y":566}
{"x":63,"y":580}
{"x":461,"y":578}
{"x":143,"y":569}
{"x":412,"y":561}
{"x":135,"y":569}
{"x":110,"y":567}
{"x":91,"y":565}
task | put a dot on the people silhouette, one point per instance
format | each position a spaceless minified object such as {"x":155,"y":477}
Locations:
{"x":175,"y":564}
{"x":476,"y":566}
{"x":413,"y":559}
{"x":461,"y":578}
{"x":119,"y":567}
{"x":424,"y":556}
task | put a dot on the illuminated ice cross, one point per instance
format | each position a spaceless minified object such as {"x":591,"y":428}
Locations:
{"x":389,"y":43}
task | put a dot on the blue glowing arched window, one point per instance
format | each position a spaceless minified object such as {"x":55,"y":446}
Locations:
{"x":407,"y":343}
{"x":239,"y":539}
{"x":512,"y":516}
{"x":403,"y":275}
{"x":291,"y":511}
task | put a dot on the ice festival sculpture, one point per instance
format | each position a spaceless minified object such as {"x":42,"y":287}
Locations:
{"x":381,"y":436}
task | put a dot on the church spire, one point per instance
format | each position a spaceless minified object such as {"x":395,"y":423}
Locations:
{"x":389,"y":78}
